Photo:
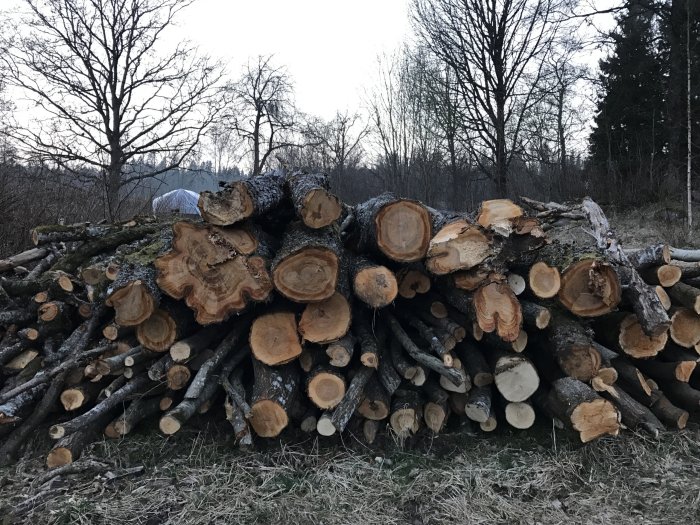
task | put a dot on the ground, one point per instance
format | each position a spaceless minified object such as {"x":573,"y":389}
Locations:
{"x":541,"y":476}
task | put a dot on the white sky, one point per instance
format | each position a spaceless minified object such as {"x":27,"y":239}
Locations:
{"x":328,"y":46}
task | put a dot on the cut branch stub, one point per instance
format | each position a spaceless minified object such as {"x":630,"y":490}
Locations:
{"x":242,"y":199}
{"x":497,"y":309}
{"x":214,"y":270}
{"x":274,"y":339}
{"x":590,"y":288}
{"x":457,"y":246}
{"x":306,"y":267}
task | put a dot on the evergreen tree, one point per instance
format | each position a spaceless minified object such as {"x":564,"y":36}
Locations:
{"x":627,"y":142}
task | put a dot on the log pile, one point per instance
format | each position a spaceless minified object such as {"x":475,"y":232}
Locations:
{"x":286,"y":308}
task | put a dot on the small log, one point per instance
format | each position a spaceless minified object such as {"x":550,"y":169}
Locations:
{"x":470,"y":280}
{"x":242,"y":199}
{"x":353,"y":397}
{"x":376,"y":402}
{"x":214,"y":291}
{"x":668,"y":371}
{"x":456,"y":377}
{"x":489,"y":425}
{"x":428,"y":335}
{"x":23,"y":258}
{"x":274,"y":339}
{"x":388,"y":375}
{"x":520,"y":415}
{"x":448,"y":385}
{"x":274,"y":391}
{"x":138,"y":410}
{"x":369,"y":344}
{"x":325,"y":387}
{"x":514,"y":375}
{"x":134,"y":295}
{"x":663,"y":296}
{"x":535,"y":315}
{"x":374,"y":284}
{"x":685,"y":295}
{"x":577,"y":404}
{"x":544,"y":281}
{"x":459,"y":245}
{"x":185,"y":349}
{"x":685,"y":327}
{"x":435,"y":414}
{"x":406,"y":412}
{"x":475,"y":364}
{"x":178,"y":376}
{"x":340,"y":352}
{"x":324,"y":426}
{"x":683,"y":395}
{"x":310,"y":193}
{"x":400,"y":229}
{"x":667,"y":412}
{"x":655,"y":255}
{"x":477,"y":406}
{"x":306,"y":267}
{"x":516,"y":283}
{"x":665,"y":275}
{"x":78,"y":396}
{"x":132,"y":388}
{"x":634,"y":414}
{"x":311,"y":357}
{"x":572,"y":346}
{"x":170,"y":322}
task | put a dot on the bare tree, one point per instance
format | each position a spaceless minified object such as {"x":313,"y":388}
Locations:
{"x":264,"y":116}
{"x":104,"y":94}
{"x":496,"y":50}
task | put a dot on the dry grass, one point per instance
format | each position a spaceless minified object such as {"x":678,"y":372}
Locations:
{"x":540,"y":477}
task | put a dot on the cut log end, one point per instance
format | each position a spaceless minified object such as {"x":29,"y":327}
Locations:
{"x":664,"y":299}
{"x":498,"y":214}
{"x":685,"y":328}
{"x":636,"y":343}
{"x":668,"y":275}
{"x":320,"y":208}
{"x":457,"y":246}
{"x":520,"y":415}
{"x":435,"y":415}
{"x":516,"y":378}
{"x":274,"y":339}
{"x":158,"y":332}
{"x":325,"y":321}
{"x":226,"y":208}
{"x":213,"y":270}
{"x":596,"y":418}
{"x":59,"y":457}
{"x":497,"y":309}
{"x":169,"y":425}
{"x":684,"y":370}
{"x":133,"y":304}
{"x":376,"y":286}
{"x":326,"y":389}
{"x":308,"y":275}
{"x":73,"y":399}
{"x":268,"y":418}
{"x":403,"y":230}
{"x":590,"y":288}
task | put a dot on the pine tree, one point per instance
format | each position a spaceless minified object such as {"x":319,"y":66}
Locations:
{"x":627,"y":142}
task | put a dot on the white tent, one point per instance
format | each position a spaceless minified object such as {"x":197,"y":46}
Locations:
{"x":177,"y":201}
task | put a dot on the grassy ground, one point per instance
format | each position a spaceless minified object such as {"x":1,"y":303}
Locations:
{"x":197,"y":477}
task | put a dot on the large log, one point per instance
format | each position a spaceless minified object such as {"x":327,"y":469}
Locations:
{"x":239,"y":200}
{"x":306,"y":267}
{"x":400,"y":229}
{"x":214,"y":270}
{"x":310,"y":193}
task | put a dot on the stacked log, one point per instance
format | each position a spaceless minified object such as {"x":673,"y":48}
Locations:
{"x":289,"y":309}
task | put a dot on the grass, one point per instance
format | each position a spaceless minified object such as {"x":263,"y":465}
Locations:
{"x":198,"y":477}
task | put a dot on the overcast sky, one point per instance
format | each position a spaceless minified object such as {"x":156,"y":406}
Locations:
{"x":328,"y":46}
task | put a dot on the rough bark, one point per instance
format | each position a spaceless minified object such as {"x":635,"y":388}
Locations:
{"x":310,"y":193}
